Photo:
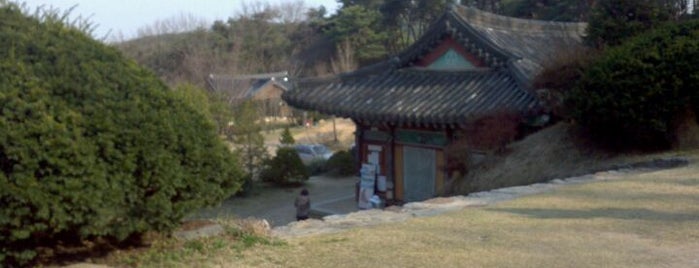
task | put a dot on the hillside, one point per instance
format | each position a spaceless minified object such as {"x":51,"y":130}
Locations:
{"x":177,"y":57}
{"x":555,"y":152}
{"x":232,"y":48}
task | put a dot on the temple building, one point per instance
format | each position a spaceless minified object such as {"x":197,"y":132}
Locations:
{"x":409,"y":108}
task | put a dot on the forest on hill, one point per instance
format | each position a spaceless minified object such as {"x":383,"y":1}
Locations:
{"x":307,"y":41}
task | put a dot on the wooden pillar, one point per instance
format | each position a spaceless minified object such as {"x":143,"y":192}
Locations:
{"x":398,"y":183}
{"x":358,"y":145}
{"x":392,"y":160}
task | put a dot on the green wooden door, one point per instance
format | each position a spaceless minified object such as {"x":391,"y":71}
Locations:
{"x":419,"y":172}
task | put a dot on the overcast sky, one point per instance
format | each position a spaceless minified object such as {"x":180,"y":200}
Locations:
{"x":125,"y":17}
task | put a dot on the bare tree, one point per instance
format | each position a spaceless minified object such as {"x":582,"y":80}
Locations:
{"x":293,"y":12}
{"x":183,"y":22}
{"x":344,"y":60}
{"x":260,"y":38}
{"x":247,"y":9}
{"x":494,"y":6}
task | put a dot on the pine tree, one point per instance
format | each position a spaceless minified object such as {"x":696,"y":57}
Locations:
{"x":247,"y":137}
{"x":614,"y":21}
{"x":287,"y":138}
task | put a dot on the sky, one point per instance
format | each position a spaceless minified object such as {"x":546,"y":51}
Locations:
{"x":123,"y":18}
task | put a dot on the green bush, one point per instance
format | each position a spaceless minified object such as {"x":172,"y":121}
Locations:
{"x":343,"y":163}
{"x":633,"y":94}
{"x":285,"y":169}
{"x":286,"y":137}
{"x":317,"y":167}
{"x":92,"y":145}
{"x":246,"y":187}
{"x":612,"y":22}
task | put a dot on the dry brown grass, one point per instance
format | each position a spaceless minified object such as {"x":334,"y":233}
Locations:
{"x":163,"y":251}
{"x":322,"y":133}
{"x":556,"y":152}
{"x":646,"y":220}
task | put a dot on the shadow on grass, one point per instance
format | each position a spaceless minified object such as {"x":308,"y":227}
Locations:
{"x":631,"y":196}
{"x":612,"y":213}
{"x":682,"y":182}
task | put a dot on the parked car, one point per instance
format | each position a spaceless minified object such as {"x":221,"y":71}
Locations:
{"x":312,"y":152}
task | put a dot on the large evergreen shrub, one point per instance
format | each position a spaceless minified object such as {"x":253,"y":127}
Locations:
{"x":92,"y":145}
{"x":343,"y":163}
{"x":633,"y":95}
{"x":285,"y":168}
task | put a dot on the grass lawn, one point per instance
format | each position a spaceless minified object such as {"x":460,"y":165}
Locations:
{"x":640,"y":220}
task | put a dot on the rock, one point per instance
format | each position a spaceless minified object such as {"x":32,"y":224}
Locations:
{"x":558,"y":181}
{"x":439,"y":200}
{"x":519,"y":190}
{"x":86,"y":265}
{"x":394,"y":209}
{"x":579,"y":179}
{"x":204,"y":231}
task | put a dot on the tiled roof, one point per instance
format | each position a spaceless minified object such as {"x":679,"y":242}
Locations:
{"x":415,"y":96}
{"x":521,"y":44}
{"x":394,"y":90}
{"x":532,"y":42}
{"x":242,"y":87}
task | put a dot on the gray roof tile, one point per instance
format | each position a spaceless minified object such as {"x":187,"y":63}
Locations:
{"x":243,"y":87}
{"x":416,"y":95}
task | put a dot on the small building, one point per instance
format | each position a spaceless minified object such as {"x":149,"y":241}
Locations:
{"x":408,"y":109}
{"x":264,"y":89}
